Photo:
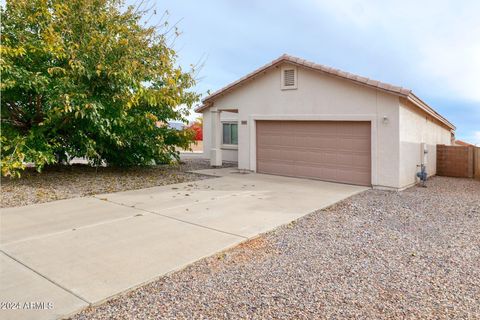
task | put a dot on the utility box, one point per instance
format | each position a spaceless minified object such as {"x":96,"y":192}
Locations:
{"x":424,"y":153}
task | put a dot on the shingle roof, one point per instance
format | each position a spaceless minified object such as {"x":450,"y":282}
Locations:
{"x":397,"y":90}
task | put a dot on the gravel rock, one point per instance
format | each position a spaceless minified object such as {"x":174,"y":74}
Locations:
{"x":378,"y":255}
{"x":61,"y":182}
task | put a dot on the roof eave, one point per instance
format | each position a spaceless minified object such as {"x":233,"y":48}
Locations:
{"x":429,"y":110}
{"x":204,"y":106}
{"x":249,"y":76}
{"x":315,"y":67}
{"x":377,"y":85}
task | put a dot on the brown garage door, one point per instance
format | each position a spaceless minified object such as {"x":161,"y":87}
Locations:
{"x":327,"y":150}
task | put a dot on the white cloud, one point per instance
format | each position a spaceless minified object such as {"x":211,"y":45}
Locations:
{"x":442,"y":34}
{"x":476,"y":138}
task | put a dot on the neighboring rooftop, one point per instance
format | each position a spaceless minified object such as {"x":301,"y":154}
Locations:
{"x":463,"y":143}
{"x":176,"y":125}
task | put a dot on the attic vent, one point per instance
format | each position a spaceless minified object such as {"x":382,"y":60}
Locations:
{"x":289,"y":78}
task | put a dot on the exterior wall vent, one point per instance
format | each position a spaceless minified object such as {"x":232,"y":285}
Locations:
{"x":289,"y":78}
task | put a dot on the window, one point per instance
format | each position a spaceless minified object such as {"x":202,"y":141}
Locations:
{"x":230,"y":133}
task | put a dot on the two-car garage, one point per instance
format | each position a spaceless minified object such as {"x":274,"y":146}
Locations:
{"x":301,"y":119}
{"x":338,"y":151}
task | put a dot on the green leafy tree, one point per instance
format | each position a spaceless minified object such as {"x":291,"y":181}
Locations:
{"x":86,"y":78}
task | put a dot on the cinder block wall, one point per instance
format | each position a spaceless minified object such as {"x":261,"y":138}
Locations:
{"x":476,"y":163}
{"x":455,"y":161}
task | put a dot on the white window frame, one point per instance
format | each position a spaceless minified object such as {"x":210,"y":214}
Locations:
{"x":229,"y":145}
{"x":295,"y":77}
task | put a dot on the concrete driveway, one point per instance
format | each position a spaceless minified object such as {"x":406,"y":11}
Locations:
{"x":62,"y":256}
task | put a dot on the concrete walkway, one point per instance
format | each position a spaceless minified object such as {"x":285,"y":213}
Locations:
{"x":65,"y":255}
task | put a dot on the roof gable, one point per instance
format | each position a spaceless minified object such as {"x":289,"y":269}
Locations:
{"x":377,"y":85}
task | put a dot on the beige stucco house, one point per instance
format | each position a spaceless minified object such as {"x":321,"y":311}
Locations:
{"x":296,"y":118}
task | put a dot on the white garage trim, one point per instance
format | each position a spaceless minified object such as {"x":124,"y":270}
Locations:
{"x":315,"y":117}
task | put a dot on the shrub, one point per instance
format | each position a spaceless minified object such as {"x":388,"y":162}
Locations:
{"x":84,"y":78}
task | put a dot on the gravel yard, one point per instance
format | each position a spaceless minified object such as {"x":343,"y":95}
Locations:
{"x":378,"y":255}
{"x":62,"y":182}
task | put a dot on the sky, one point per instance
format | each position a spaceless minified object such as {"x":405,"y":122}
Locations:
{"x":431,"y":47}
